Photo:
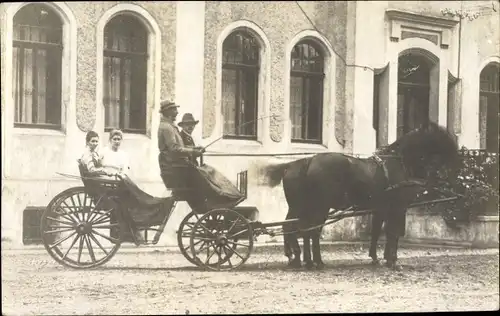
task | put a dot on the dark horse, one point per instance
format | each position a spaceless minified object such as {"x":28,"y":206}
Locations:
{"x":387,"y":183}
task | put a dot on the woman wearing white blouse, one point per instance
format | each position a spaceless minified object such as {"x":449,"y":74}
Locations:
{"x":112,"y":156}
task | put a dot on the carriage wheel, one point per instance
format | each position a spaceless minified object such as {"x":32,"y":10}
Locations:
{"x":79,"y":231}
{"x":184,"y":235}
{"x":221,"y":240}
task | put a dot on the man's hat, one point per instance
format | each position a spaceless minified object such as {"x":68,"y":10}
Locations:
{"x":187,"y":119}
{"x":166,"y":105}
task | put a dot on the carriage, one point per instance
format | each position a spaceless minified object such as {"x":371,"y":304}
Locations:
{"x":83,"y":227}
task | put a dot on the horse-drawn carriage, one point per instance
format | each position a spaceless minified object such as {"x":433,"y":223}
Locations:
{"x":83,"y":227}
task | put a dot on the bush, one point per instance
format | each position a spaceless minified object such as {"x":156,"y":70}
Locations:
{"x":475,"y":178}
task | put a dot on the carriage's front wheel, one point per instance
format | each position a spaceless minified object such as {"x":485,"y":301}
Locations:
{"x":80,"y":231}
{"x":221,"y":240}
{"x":184,"y":235}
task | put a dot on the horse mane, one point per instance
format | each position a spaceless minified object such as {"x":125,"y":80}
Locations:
{"x":423,"y":146}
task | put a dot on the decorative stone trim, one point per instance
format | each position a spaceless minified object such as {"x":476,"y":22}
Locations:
{"x":406,"y":24}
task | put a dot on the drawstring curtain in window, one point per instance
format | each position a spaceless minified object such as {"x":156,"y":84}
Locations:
{"x":37,"y":60}
{"x":124,"y":74}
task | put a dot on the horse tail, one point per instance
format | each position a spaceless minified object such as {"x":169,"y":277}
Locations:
{"x":272,"y":174}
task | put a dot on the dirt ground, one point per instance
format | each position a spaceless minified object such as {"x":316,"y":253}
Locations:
{"x":162,"y":282}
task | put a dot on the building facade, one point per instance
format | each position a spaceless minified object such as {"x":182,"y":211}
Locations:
{"x":262,"y":78}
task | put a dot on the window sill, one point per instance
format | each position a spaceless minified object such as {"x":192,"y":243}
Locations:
{"x":226,"y":145}
{"x":307,"y":147}
{"x":37,"y":131}
{"x":131,"y":136}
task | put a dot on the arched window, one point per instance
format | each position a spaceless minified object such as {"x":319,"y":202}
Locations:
{"x":489,"y":102}
{"x":37,"y":60}
{"x":240,"y":79}
{"x":125,"y":74}
{"x":306,"y":92}
{"x":413,"y":92}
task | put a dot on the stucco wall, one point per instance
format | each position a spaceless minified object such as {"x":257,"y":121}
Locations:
{"x":280,"y":21}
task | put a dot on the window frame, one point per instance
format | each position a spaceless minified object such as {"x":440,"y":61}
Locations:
{"x":318,"y":75}
{"x":50,"y":48}
{"x":123,"y":56}
{"x":407,"y":87}
{"x":243,"y":69}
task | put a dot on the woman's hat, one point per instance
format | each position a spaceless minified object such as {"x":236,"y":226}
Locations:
{"x":188,"y":119}
{"x":166,"y":105}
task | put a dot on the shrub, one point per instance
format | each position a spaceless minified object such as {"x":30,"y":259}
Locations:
{"x":475,"y":181}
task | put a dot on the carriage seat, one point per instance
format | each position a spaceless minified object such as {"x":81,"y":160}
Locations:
{"x":139,"y":195}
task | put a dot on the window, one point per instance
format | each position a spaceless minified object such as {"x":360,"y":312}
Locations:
{"x":306,"y":93}
{"x":125,"y":74}
{"x":37,"y":61}
{"x":413,"y":92}
{"x":240,"y":79}
{"x":489,"y":102}
{"x":32,"y":218}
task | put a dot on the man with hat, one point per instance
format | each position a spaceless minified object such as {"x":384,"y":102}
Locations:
{"x":177,"y":171}
{"x":187,"y":124}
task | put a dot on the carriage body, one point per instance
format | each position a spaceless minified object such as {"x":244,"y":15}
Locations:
{"x":84,"y":226}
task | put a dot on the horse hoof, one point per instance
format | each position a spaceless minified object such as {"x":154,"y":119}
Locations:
{"x":375,"y":262}
{"x":294,"y":264}
{"x":393,"y":266}
{"x":309,"y":265}
{"x":320,"y":266}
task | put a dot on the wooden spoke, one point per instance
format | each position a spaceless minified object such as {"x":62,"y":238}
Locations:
{"x":232,"y":226}
{"x":60,"y":221}
{"x":238,"y":233}
{"x":98,"y":243}
{"x":237,"y":253}
{"x":237,"y":243}
{"x":73,"y":212}
{"x":59,"y":230}
{"x":113,"y":240}
{"x":196,"y":243}
{"x":209,"y":256}
{"x":70,"y":247}
{"x":89,"y":247}
{"x":80,"y":248}
{"x":201,"y":248}
{"x":103,"y":218}
{"x":57,"y":243}
{"x":65,"y":214}
{"x":76,"y":208}
{"x":206,"y":229}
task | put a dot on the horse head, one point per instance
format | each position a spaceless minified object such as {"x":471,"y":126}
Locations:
{"x":425,"y":149}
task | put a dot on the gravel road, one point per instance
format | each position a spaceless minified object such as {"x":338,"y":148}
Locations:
{"x":162,"y":282}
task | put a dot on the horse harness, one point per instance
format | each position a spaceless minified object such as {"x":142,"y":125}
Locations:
{"x":382,"y":163}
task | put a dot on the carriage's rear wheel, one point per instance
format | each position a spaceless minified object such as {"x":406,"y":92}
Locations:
{"x":80,"y":231}
{"x":221,"y":240}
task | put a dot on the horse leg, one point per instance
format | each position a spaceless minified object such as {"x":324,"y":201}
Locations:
{"x":394,"y":229}
{"x":377,"y":221}
{"x":390,"y":253}
{"x":294,"y":244}
{"x":316,"y":249}
{"x":306,"y":237}
{"x":291,"y":243}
